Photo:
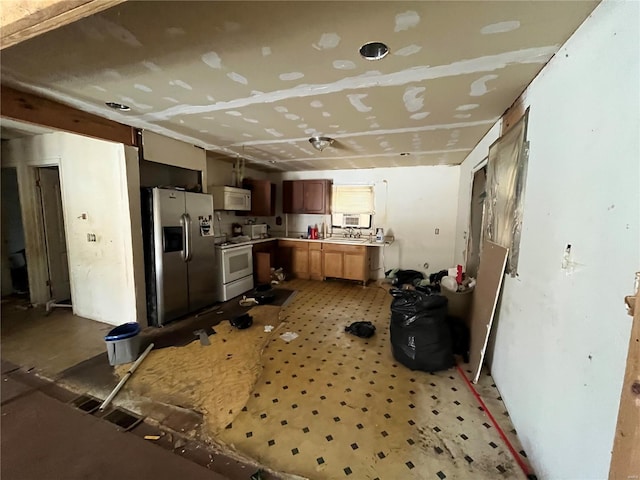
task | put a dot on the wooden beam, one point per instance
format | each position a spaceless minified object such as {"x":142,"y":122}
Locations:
{"x":29,"y":108}
{"x":625,"y":458}
{"x":23,"y":19}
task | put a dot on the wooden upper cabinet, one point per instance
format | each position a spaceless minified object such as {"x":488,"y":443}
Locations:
{"x":263,"y":197}
{"x":292,"y":196}
{"x":306,"y":196}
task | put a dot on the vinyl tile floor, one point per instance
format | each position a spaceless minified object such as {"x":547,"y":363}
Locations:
{"x":330,"y":405}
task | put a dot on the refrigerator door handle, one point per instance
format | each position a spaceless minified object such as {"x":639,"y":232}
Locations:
{"x":187,"y":230}
{"x":184,"y":223}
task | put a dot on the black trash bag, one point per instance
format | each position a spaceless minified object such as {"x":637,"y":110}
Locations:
{"x":420,"y":336}
{"x":428,"y":289}
{"x":408,"y":277}
{"x":242,"y":321}
{"x":435,"y":278}
{"x":460,"y":337}
{"x":361,"y":329}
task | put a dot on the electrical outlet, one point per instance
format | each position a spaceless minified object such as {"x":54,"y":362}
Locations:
{"x":437,"y":231}
{"x":91,"y":237}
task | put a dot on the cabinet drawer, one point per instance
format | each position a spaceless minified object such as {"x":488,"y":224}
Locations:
{"x":293,"y":244}
{"x":315,"y":246}
{"x":335,"y":247}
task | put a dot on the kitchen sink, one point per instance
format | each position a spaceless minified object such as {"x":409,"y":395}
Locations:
{"x":349,"y":240}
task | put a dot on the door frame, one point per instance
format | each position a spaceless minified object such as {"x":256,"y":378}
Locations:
{"x":32,"y":222}
{"x":478,"y":166}
{"x":47,"y":252}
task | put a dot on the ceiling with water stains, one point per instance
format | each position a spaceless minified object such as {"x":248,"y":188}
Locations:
{"x":257,"y":79}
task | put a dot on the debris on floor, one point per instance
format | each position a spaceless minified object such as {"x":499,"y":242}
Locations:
{"x":202,"y":335}
{"x":152,"y":437}
{"x":361,"y":329}
{"x":242,"y":321}
{"x":288,"y":336}
{"x":216,"y":380}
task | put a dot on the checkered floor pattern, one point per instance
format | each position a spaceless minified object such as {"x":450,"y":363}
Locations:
{"x":330,"y":405}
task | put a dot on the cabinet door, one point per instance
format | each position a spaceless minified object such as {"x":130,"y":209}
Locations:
{"x":332,"y":264}
{"x":315,"y":264}
{"x":314,"y":196}
{"x":292,"y":196}
{"x":354,"y":266}
{"x":260,"y":197}
{"x":264,"y":257}
{"x":272,"y":211}
{"x":300,"y":266}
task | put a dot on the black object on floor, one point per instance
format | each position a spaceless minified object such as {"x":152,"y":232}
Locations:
{"x":361,"y":329}
{"x":241,"y":322}
{"x":420,"y":336}
{"x":460,"y":337}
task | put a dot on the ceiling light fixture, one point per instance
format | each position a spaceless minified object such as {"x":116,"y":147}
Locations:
{"x":374,"y":50}
{"x":320,"y":143}
{"x":118,"y":106}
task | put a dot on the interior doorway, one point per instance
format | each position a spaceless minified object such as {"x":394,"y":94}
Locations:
{"x":474,"y":240}
{"x":54,"y":234}
{"x":14,"y":262}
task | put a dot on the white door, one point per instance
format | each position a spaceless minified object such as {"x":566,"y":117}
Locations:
{"x":49,"y":182}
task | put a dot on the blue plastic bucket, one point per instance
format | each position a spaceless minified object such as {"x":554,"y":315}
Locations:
{"x":123,"y":343}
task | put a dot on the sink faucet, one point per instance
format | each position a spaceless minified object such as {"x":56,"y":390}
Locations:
{"x":349,"y":232}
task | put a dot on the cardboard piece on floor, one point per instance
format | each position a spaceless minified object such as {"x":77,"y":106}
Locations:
{"x":493,"y":261}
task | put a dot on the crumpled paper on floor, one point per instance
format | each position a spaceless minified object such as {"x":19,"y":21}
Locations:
{"x":288,"y":336}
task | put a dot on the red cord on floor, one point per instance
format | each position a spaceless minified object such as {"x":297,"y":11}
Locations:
{"x":530,"y":475}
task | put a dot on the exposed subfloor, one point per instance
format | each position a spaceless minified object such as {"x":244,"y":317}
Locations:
{"x":326,"y":404}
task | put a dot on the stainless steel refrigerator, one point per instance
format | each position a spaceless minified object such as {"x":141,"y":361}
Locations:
{"x":180,"y":262}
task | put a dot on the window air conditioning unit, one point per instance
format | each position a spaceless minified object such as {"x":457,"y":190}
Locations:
{"x":351,"y":220}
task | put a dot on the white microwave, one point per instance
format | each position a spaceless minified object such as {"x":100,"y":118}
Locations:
{"x":259,"y":230}
{"x":231,"y":198}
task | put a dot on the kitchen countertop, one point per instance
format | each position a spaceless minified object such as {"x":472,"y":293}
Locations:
{"x":336,"y":240}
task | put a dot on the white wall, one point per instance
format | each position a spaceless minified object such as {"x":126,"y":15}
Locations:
{"x":410,"y":202}
{"x":562,"y":336}
{"x":93,"y":177}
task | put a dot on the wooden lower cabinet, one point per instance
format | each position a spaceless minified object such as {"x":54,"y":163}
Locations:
{"x":264,"y":258}
{"x":319,"y":260}
{"x":356,"y":266}
{"x":315,"y":261}
{"x":332,"y":263}
{"x":294,"y":258}
{"x":346,"y":261}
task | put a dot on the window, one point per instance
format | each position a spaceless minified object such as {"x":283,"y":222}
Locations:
{"x":352,"y":206}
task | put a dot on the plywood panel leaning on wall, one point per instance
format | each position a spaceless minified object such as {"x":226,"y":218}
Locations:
{"x":493,"y":260}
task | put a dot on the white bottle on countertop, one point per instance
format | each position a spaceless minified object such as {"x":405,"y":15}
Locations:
{"x":379,"y":235}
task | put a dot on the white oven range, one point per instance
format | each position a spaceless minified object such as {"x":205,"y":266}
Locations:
{"x":235,"y":270}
